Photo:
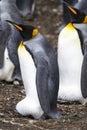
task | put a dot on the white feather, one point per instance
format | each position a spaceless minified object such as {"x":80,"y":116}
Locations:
{"x":7,"y":70}
{"x":70,"y":60}
{"x":30,"y":105}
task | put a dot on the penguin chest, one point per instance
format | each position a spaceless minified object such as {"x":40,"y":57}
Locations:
{"x":7,"y":70}
{"x":70,"y":60}
{"x":28,"y":71}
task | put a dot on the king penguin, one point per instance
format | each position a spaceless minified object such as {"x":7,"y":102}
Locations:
{"x":82,"y":5}
{"x":6,"y":66}
{"x":9,"y":11}
{"x":39,"y":71}
{"x":70,"y":57}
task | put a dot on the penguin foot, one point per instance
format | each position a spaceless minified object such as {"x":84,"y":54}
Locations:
{"x":16,"y":82}
{"x":51,"y":116}
{"x":17,"y":77}
{"x":27,"y":107}
{"x":83,"y":101}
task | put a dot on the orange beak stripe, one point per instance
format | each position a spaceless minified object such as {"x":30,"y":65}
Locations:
{"x":18,"y":27}
{"x":72,"y":10}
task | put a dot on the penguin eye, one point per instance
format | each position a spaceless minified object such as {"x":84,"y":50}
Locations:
{"x":18,"y":27}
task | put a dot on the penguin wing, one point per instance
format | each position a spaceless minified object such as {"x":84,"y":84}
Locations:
{"x":84,"y":74}
{"x":42,"y":84}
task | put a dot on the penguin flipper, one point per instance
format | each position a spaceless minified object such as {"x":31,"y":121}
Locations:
{"x":42,"y":85}
{"x":84,"y":75}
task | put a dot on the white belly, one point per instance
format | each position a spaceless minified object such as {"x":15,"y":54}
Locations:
{"x":28,"y":71}
{"x":70,"y":60}
{"x":7,"y":70}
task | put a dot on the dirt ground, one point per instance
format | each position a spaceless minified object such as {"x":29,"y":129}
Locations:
{"x":48,"y":18}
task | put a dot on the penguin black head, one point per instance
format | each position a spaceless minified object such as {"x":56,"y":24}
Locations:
{"x":27,"y":31}
{"x":74,"y":15}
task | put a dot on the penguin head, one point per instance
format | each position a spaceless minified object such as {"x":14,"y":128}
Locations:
{"x":27,"y":31}
{"x":74,"y":15}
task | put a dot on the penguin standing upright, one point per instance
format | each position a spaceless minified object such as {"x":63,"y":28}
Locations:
{"x":82,"y":5}
{"x":39,"y":71}
{"x":6,"y":66}
{"x":70,"y":57}
{"x":9,"y":11}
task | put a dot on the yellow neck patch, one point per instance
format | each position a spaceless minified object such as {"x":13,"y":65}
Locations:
{"x":35,"y":32}
{"x":21,"y":46}
{"x":70,"y":26}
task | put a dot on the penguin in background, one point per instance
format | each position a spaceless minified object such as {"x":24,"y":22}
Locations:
{"x":9,"y":11}
{"x":82,"y":5}
{"x":40,"y":74}
{"x":64,"y":12}
{"x":71,"y":3}
{"x":26,"y":8}
{"x":71,"y":55}
{"x":6,"y":66}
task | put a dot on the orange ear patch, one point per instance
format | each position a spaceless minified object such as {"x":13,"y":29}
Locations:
{"x":85,"y":20}
{"x":35,"y":32}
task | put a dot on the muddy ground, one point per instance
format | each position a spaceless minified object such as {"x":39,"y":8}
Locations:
{"x":48,"y":18}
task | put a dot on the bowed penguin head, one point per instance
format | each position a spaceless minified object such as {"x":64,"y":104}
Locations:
{"x":74,"y":15}
{"x":27,"y":31}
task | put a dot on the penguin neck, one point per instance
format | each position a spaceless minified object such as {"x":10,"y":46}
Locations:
{"x":67,"y":30}
{"x":70,"y":26}
{"x":9,"y":11}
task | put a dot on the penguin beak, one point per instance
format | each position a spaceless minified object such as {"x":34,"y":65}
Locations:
{"x":15,"y":25}
{"x":72,"y":10}
{"x":18,"y":27}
